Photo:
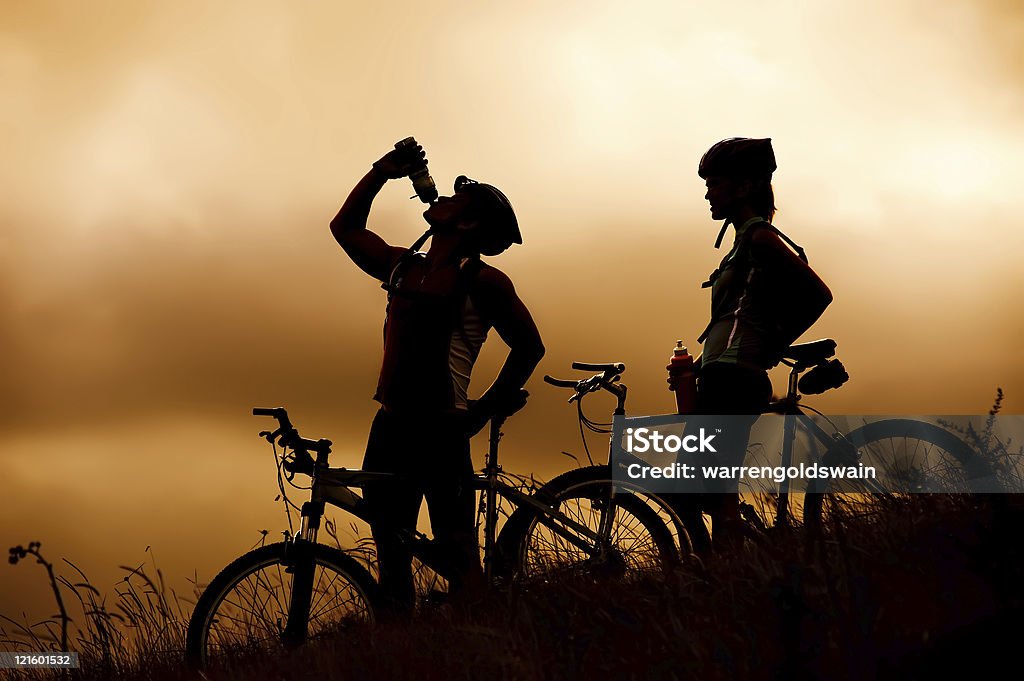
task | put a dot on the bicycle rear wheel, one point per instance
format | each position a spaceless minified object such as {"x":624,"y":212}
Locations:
{"x":639,"y":542}
{"x":909,"y":457}
{"x":245,"y":607}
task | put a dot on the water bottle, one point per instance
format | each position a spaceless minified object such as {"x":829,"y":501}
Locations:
{"x":684,"y":379}
{"x":422,"y":182}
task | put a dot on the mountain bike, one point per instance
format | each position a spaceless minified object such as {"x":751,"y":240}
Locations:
{"x":283,"y":594}
{"x":528,"y":536}
{"x":910,"y":455}
{"x":913,"y":456}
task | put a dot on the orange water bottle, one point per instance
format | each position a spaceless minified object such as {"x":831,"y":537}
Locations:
{"x":684,"y":379}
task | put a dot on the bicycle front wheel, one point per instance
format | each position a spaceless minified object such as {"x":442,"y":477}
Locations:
{"x":536,"y":545}
{"x":245,"y":608}
{"x":909,"y":457}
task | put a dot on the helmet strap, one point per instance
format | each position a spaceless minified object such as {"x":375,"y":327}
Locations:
{"x":721,"y":233}
{"x":419,"y":242}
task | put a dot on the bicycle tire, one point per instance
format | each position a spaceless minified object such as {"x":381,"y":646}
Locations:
{"x":921,"y":454}
{"x":528,"y":549}
{"x":222,"y":627}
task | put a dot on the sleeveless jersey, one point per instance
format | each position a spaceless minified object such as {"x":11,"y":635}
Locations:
{"x":742,"y":322}
{"x":431,"y":339}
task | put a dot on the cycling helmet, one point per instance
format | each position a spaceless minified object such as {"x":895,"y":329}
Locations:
{"x":499,"y":229}
{"x":738,"y":156}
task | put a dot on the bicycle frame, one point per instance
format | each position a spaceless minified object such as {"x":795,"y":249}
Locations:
{"x":790,"y":407}
{"x":607,"y":381}
{"x":493,"y":487}
{"x":333,"y":486}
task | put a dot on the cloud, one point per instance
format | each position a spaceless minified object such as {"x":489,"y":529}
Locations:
{"x":170,"y":197}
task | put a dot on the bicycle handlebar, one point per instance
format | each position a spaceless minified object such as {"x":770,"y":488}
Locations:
{"x":277,"y":412}
{"x":613,"y":367}
{"x":560,"y":382}
{"x":606,"y":380}
{"x":287,"y":435}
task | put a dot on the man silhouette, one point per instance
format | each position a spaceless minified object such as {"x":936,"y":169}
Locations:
{"x":441,"y":306}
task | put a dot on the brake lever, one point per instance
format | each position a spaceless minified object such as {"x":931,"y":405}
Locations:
{"x":587,"y":385}
{"x":299,"y":462}
{"x":270,"y":437}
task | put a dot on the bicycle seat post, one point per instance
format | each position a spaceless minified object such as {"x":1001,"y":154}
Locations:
{"x":491,"y":496}
{"x":492,"y":444}
{"x":791,"y":402}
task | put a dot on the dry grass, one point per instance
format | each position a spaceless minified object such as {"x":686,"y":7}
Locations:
{"x":890,"y":593}
{"x":921,"y":586}
{"x":140,"y":625}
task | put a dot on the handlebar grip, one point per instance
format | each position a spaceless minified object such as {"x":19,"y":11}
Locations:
{"x":267,"y":411}
{"x":615,"y":367}
{"x":560,"y":382}
{"x":279,"y":413}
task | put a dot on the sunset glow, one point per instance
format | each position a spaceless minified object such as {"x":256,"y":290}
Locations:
{"x":170,"y":171}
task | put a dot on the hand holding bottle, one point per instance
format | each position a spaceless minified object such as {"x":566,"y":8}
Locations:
{"x":401,"y":160}
{"x":409,"y":159}
{"x":682,"y":379}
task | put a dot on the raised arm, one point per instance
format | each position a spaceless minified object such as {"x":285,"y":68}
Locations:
{"x":497,"y":299}
{"x":369,"y":251}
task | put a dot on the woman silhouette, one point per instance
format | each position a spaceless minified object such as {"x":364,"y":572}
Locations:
{"x":763,"y":296}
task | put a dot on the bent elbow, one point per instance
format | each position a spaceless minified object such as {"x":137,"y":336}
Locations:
{"x":336,"y":228}
{"x":539,"y":351}
{"x":532,"y":353}
{"x":340,"y":232}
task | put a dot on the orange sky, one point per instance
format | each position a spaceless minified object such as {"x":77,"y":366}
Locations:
{"x":169,"y":173}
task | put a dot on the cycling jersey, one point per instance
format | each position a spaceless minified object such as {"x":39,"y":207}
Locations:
{"x":743,"y":326}
{"x":432,"y":337}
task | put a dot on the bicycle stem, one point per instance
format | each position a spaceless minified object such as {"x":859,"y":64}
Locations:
{"x":620,"y":394}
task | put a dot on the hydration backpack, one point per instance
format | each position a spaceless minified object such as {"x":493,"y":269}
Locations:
{"x":793,"y":305}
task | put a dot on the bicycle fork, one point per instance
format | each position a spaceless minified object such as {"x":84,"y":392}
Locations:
{"x":301,"y":565}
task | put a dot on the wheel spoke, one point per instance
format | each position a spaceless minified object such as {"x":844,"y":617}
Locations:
{"x":910,"y":457}
{"x":250,"y":609}
{"x":632,"y":547}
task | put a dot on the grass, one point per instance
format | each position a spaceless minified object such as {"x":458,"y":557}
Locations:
{"x":923,"y":586}
{"x":891,"y":593}
{"x":142,"y":623}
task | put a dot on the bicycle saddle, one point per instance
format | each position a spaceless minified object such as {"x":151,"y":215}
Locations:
{"x":811,"y":353}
